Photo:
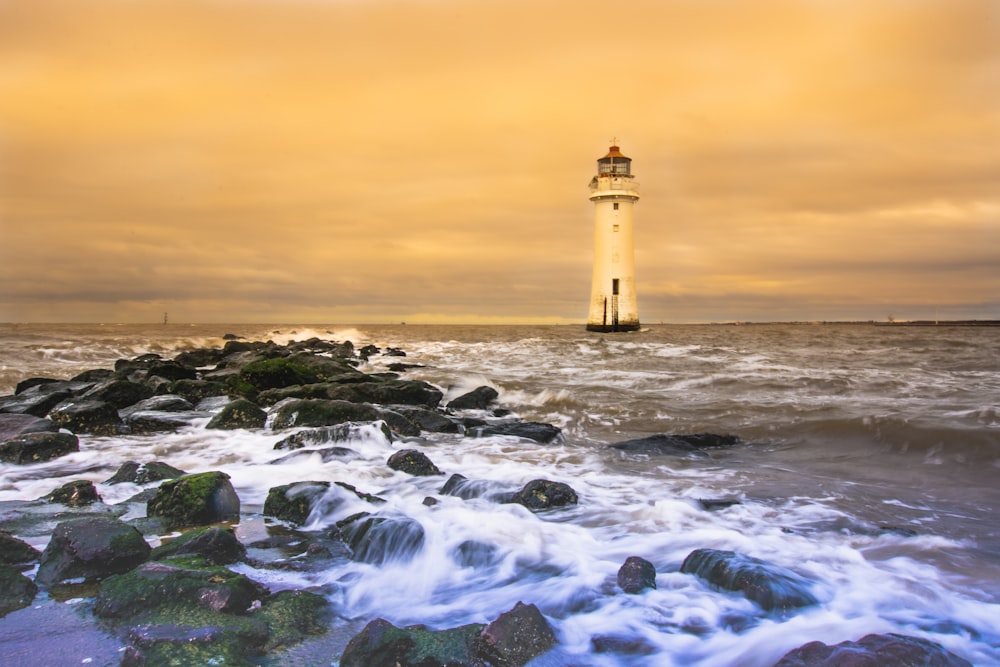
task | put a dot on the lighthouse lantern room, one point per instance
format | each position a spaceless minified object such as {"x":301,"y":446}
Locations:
{"x":613,"y":305}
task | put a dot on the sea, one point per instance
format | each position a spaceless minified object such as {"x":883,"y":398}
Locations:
{"x":868,"y":462}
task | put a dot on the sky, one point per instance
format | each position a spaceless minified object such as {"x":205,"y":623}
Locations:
{"x":368,"y":161}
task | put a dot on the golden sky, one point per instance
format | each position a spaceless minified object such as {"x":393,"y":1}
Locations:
{"x":358,"y":161}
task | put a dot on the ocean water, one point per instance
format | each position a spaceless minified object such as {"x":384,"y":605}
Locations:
{"x":869,"y":463}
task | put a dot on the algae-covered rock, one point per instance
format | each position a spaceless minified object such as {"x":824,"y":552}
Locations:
{"x":543,"y":494}
{"x":240,"y":413}
{"x":273,"y":373}
{"x":294,"y":502}
{"x":87,"y":416}
{"x":873,"y":651}
{"x":77,"y":493}
{"x":291,"y":616}
{"x":16,"y":590}
{"x":388,"y":392}
{"x":479,"y":398}
{"x":413,"y":462}
{"x":515,"y":637}
{"x":320,"y":412}
{"x":91,"y":548}
{"x":16,"y":552}
{"x":382,"y":644}
{"x":216,"y":544}
{"x":770,"y":586}
{"x":195,"y":500}
{"x":37,"y":447}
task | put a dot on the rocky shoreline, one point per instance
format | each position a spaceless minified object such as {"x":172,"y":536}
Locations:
{"x":181,"y":603}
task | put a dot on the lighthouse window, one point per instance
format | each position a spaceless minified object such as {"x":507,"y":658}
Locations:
{"x":616,"y":206}
{"x":614,"y":228}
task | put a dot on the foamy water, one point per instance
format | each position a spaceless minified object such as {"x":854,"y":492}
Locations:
{"x":845,"y":431}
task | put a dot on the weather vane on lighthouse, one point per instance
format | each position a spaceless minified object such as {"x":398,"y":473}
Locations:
{"x":613,"y":305}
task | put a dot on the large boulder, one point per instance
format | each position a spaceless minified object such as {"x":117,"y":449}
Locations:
{"x":320,"y":412}
{"x":13,"y":425}
{"x":77,"y":493}
{"x":382,"y":644}
{"x":294,"y":502}
{"x":427,"y":420}
{"x":91,"y":548}
{"x":239,"y":414}
{"x":636,"y":575}
{"x":119,"y":393}
{"x":87,"y":416}
{"x":413,"y":462}
{"x":172,"y":371}
{"x":382,"y":539}
{"x":197,"y":390}
{"x":537,"y":431}
{"x":16,"y":552}
{"x":479,"y":398}
{"x":16,"y":590}
{"x":772,"y":587}
{"x":662,"y":444}
{"x":516,"y":637}
{"x":873,"y":651}
{"x":194,"y":500}
{"x":37,"y":447}
{"x":279,"y":372}
{"x":39,"y":399}
{"x":543,"y":494}
{"x":388,"y":392}
{"x":132,"y":472}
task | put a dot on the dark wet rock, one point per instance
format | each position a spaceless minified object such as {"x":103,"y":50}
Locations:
{"x":36,"y":447}
{"x":472,"y":553}
{"x":91,"y":548}
{"x":197,"y":390}
{"x":770,"y":586}
{"x":149,"y":421}
{"x":335,"y":433}
{"x":389,"y":392}
{"x":515,"y":637}
{"x":194,"y":500}
{"x":93,"y":375}
{"x":715,"y":504}
{"x":87,"y":416}
{"x":460,"y":486}
{"x":318,"y":412}
{"x":400,"y":367}
{"x":216,"y":544}
{"x":199,"y":358}
{"x":901,"y":531}
{"x":873,"y":651}
{"x":479,"y":398}
{"x":172,"y":370}
{"x":397,"y":424}
{"x":413,"y":462}
{"x":16,"y":552}
{"x":394,"y":352}
{"x":28,"y":383}
{"x":16,"y":590}
{"x":382,"y":644}
{"x":542,"y":494}
{"x":13,"y":425}
{"x":40,"y":399}
{"x":379,"y":539}
{"x":274,"y":373}
{"x":662,"y":444}
{"x":144,"y":473}
{"x":160,"y":403}
{"x":326,"y":454}
{"x":119,"y":393}
{"x":299,"y":551}
{"x":75,"y":494}
{"x":291,"y":616}
{"x":428,"y":420}
{"x":623,"y":645}
{"x":636,"y":575}
{"x":537,"y":431}
{"x":238,"y":414}
{"x":369,"y":351}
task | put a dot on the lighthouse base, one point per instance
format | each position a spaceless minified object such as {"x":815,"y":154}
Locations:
{"x":613,"y":328}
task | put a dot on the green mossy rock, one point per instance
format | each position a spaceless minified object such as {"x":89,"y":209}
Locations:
{"x":16,"y":590}
{"x":195,"y":500}
{"x":293,"y":502}
{"x":91,"y":548}
{"x":37,"y":447}
{"x":317,"y":412}
{"x":144,"y":473}
{"x":16,"y":552}
{"x":217,"y":545}
{"x":273,"y":373}
{"x":388,"y":392}
{"x":291,"y":616}
{"x":381,"y":644}
{"x":75,"y":494}
{"x":241,"y":413}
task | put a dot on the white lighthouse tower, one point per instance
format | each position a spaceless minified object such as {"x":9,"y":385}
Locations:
{"x":613,"y":305}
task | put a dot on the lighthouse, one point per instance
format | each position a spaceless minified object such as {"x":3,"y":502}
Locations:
{"x":613,"y":190}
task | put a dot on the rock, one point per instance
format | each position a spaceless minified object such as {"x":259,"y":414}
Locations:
{"x":75,"y":494}
{"x":87,"y":416}
{"x":515,"y":637}
{"x":336,"y":433}
{"x":319,"y":412}
{"x":537,"y":431}
{"x":16,"y":590}
{"x":216,"y":544}
{"x":636,"y":575}
{"x":144,"y":473}
{"x":477,"y":399}
{"x":16,"y":552}
{"x":873,"y":651}
{"x":197,"y":390}
{"x":389,"y":392}
{"x":379,"y":540}
{"x":428,"y":420}
{"x":397,"y":423}
{"x":172,"y":371}
{"x":662,"y":444}
{"x":770,"y":586}
{"x":199,"y":358}
{"x":91,"y":548}
{"x":194,"y":500}
{"x":239,"y":414}
{"x":36,"y":447}
{"x":291,"y":615}
{"x":394,"y":352}
{"x":94,"y":376}
{"x":119,"y":393}
{"x":41,"y":398}
{"x":413,"y":462}
{"x":274,"y":373}
{"x":542,"y":494}
{"x":28,"y":383}
{"x":13,"y":425}
{"x":382,"y":644}
{"x":149,"y":421}
{"x":160,"y":403}
{"x":294,"y":502}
